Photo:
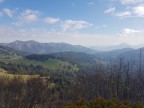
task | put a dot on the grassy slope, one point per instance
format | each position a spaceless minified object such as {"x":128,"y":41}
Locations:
{"x":52,"y":64}
{"x":4,"y":75}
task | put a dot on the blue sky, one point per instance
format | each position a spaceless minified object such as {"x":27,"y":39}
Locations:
{"x":84,"y":22}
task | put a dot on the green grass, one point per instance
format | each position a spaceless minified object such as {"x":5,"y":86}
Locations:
{"x":51,"y":64}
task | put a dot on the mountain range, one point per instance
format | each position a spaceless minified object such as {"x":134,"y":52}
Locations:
{"x":35,"y":47}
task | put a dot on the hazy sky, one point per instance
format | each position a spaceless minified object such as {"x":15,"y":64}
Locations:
{"x":84,"y":22}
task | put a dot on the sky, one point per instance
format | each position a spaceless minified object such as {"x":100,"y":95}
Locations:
{"x":78,"y":22}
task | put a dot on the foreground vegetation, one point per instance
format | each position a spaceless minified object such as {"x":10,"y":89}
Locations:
{"x":103,"y":103}
{"x":76,"y":82}
{"x":26,"y":91}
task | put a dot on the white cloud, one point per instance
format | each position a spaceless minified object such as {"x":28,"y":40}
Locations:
{"x":50,"y":20}
{"x":1,"y":1}
{"x":123,"y":14}
{"x":70,"y":25}
{"x":131,"y":1}
{"x":30,"y":18}
{"x":27,"y":16}
{"x":132,"y":8}
{"x":139,"y":10}
{"x":28,"y":12}
{"x":8,"y":12}
{"x":132,"y":11}
{"x":131,"y":36}
{"x":130,"y":31}
{"x":110,"y":10}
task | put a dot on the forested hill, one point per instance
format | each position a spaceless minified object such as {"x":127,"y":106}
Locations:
{"x":73,"y":57}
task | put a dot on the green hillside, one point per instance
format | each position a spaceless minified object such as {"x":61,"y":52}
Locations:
{"x":51,"y":65}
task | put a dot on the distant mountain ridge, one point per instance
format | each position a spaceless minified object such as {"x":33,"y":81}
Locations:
{"x":34,"y":47}
{"x":46,"y":48}
{"x":115,"y":47}
{"x":127,"y":53}
{"x":115,"y":53}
